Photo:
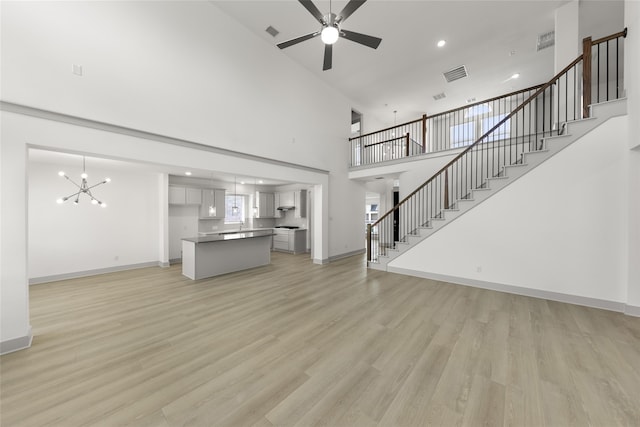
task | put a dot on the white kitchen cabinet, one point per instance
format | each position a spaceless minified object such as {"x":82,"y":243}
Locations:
{"x":287,"y":240}
{"x":287,"y":198}
{"x":281,"y":240}
{"x":300,"y":199}
{"x":277,"y":213}
{"x":266,"y":204}
{"x":193,"y":196}
{"x":184,"y":195}
{"x":213,"y":206}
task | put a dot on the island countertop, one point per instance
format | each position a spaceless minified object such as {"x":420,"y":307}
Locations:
{"x":230,"y":236}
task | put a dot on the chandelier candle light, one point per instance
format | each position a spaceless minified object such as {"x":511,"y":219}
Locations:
{"x":83,"y":188}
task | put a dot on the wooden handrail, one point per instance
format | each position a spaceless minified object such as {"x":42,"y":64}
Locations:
{"x":500,"y":123}
{"x":622,"y":33}
{"x":386,"y":129}
{"x":384,"y":142}
{"x":495,"y":98}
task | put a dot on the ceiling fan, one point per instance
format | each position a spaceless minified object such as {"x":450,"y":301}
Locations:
{"x":331,"y":31}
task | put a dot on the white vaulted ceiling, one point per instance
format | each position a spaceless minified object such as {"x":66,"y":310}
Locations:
{"x":493,"y":39}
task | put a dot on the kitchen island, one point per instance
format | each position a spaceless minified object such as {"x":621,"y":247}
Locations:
{"x":214,"y":255}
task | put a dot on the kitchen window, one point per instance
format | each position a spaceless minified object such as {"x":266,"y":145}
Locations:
{"x":231,"y":216}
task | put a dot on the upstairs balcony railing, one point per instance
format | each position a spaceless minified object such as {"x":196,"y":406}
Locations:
{"x":461,"y":127}
{"x":595,"y":76}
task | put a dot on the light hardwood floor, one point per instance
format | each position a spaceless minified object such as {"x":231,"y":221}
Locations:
{"x":295,"y":343}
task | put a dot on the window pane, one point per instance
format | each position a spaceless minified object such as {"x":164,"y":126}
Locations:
{"x":501,"y":133}
{"x":234,"y":215}
{"x":462,"y":134}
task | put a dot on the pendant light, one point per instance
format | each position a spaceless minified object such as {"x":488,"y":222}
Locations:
{"x":234,"y":208}
{"x":213,"y":205}
{"x":255,"y":199}
{"x":83,"y":188}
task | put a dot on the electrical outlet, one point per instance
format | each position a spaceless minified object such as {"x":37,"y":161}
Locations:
{"x":479,"y":269}
{"x":116,"y":258}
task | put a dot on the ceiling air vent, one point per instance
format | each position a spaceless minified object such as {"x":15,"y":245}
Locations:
{"x":439,"y":96}
{"x":456,"y":74}
{"x":272,"y":31}
{"x":546,"y":40}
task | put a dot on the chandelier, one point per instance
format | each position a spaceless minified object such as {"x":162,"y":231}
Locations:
{"x":83,"y":188}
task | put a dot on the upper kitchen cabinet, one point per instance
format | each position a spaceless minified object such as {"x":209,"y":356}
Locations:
{"x":212,"y":206}
{"x":266,"y":203}
{"x":287,"y":199}
{"x":300,"y":202}
{"x":184,"y":195}
{"x":292,"y":200}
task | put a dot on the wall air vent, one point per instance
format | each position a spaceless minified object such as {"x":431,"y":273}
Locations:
{"x":439,"y":96}
{"x":546,"y":40}
{"x":272,"y":31}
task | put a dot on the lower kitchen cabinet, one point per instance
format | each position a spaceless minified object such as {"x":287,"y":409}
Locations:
{"x":287,"y":240}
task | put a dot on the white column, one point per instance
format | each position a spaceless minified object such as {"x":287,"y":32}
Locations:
{"x":632,"y":88}
{"x":163,"y":208}
{"x":15,"y":330}
{"x":567,"y":35}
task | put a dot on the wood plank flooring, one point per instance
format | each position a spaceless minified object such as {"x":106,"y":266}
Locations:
{"x":295,"y":343}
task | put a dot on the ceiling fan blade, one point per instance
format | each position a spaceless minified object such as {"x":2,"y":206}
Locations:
{"x":298,"y":40}
{"x":308,"y":4}
{"x":351,"y":7}
{"x":370,"y":41}
{"x":328,"y":57}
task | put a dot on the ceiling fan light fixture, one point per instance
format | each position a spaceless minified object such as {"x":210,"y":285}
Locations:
{"x":330,"y":35}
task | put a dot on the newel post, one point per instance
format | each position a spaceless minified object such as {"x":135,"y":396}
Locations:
{"x":424,"y":133}
{"x":586,"y":76}
{"x":406,"y":145}
{"x":369,"y":242}
{"x":446,"y":188}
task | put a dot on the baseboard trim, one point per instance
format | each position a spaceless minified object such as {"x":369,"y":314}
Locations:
{"x":517,"y":290}
{"x":16,"y":344}
{"x":164,"y":264}
{"x":86,"y":273}
{"x":632,"y":310}
{"x":321,"y":261}
{"x":347,"y":255}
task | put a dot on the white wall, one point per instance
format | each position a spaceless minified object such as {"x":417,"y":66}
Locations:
{"x":632,"y":88}
{"x":70,"y":238}
{"x":561,"y":228}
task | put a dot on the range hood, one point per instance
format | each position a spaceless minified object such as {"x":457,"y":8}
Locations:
{"x":285,"y":208}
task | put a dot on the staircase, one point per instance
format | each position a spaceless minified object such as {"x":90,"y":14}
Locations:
{"x":552,"y":117}
{"x":548,"y":147}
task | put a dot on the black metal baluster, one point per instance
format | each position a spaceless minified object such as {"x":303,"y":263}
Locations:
{"x":608,"y":70}
{"x":598,"y":73}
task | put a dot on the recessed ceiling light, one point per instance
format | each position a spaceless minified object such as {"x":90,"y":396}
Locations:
{"x":241,"y":182}
{"x":515,"y":76}
{"x":187,"y":173}
{"x":441,"y":43}
{"x":260,"y":181}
